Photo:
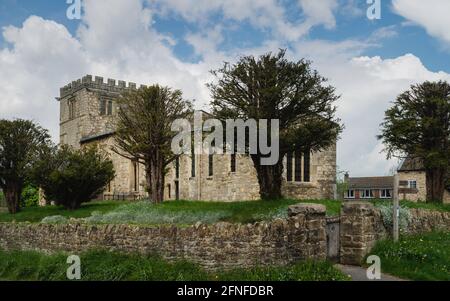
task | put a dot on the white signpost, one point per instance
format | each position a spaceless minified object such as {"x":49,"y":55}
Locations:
{"x":395,"y":211}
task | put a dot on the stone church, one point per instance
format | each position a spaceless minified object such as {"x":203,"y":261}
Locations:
{"x":87,"y":112}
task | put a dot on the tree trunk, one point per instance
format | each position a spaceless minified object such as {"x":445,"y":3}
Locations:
{"x":148,"y":177}
{"x":157,"y":179}
{"x":73,"y":205}
{"x":435,"y":182}
{"x":12,"y":196}
{"x":269,"y":179}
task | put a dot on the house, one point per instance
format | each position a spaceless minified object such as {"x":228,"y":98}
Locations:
{"x":87,"y":115}
{"x":412,"y":181}
{"x":367,"y":188}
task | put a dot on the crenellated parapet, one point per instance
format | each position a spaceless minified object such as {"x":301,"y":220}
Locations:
{"x":98,"y":83}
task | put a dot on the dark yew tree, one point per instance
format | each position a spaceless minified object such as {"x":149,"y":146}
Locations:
{"x":21,"y":142}
{"x":272,"y":87}
{"x":71,"y":177}
{"x":418,"y":125}
{"x":143,"y":131}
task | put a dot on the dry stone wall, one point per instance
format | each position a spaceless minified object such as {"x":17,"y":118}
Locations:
{"x":302,"y":235}
{"x":279,"y":242}
{"x":362,"y":225}
{"x":423,"y":220}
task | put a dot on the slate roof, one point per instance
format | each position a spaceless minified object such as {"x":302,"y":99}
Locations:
{"x":96,"y":137}
{"x":371,"y":182}
{"x":412,"y":164}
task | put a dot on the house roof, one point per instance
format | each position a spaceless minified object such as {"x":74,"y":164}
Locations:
{"x":371,"y":182}
{"x":412,"y":164}
{"x":96,"y":137}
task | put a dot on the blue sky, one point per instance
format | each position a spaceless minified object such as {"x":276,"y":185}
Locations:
{"x":177,"y":42}
{"x":409,"y":39}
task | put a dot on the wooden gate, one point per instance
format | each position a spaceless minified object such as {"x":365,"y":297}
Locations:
{"x":333,"y":238}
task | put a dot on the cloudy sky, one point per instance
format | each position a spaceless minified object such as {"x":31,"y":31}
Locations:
{"x":176,"y":43}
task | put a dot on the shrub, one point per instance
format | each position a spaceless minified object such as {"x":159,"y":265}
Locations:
{"x":387,"y":214}
{"x":149,"y":213}
{"x":278,"y":213}
{"x":30,"y":196}
{"x":71,"y":177}
{"x":54,"y":219}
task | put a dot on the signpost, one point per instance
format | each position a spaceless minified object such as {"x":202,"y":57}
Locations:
{"x":395,"y":211}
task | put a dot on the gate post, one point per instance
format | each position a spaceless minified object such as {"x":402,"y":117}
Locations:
{"x":309,"y":235}
{"x":358,"y":231}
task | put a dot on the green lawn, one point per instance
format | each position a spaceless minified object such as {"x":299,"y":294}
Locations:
{"x":416,"y":257}
{"x":103,"y":265}
{"x":180,"y":212}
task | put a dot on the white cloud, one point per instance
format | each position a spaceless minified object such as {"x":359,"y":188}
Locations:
{"x":433,"y":15}
{"x":43,"y":57}
{"x":384,"y":33}
{"x":262,"y":14}
{"x":352,"y":8}
{"x":320,"y":12}
{"x":368,"y":86}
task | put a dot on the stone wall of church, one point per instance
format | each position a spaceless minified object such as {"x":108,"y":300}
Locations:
{"x":126,"y":182}
{"x":323,"y":178}
{"x":222,"y":185}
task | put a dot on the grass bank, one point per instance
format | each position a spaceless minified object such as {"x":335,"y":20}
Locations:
{"x":103,"y":265}
{"x":185,"y":212}
{"x":190,"y":212}
{"x":36,"y":214}
{"x":416,"y":257}
{"x":178,"y":212}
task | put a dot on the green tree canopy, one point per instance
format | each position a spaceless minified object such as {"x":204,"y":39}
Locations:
{"x":418,"y":126}
{"x":21,"y":142}
{"x":144,"y":134}
{"x":272,"y":87}
{"x":71,"y":177}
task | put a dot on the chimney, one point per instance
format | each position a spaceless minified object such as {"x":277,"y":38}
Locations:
{"x":346,"y":177}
